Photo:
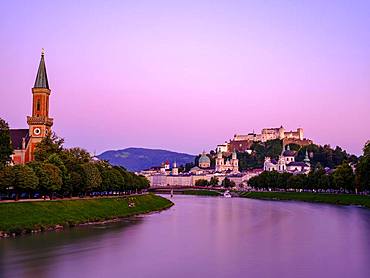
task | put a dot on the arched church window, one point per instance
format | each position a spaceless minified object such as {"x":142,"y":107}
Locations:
{"x":38,"y":105}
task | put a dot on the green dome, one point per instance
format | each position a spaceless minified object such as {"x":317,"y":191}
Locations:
{"x":204,"y":158}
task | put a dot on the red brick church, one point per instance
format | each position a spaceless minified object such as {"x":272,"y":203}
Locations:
{"x":39,"y":124}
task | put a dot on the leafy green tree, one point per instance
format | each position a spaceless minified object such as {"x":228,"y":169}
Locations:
{"x":91,"y":178}
{"x":129,"y":180}
{"x":294,"y":147}
{"x":188,"y":166}
{"x":325,"y":155}
{"x":255,"y":182}
{"x":214,"y":181}
{"x":261,"y":181}
{"x":363,"y":170}
{"x":272,"y":179}
{"x":366,"y":149}
{"x":6,"y":149}
{"x":49,"y":145}
{"x":132,"y":182}
{"x":325,"y":182}
{"x":201,"y":182}
{"x":344,"y":177}
{"x":274,"y":148}
{"x":314,"y":177}
{"x":56,"y":160}
{"x":250,"y":161}
{"x":260,"y":150}
{"x":7,"y":178}
{"x":25,"y":179}
{"x":227,"y":183}
{"x":142,"y":182}
{"x":55,"y":180}
{"x":75,"y":183}
{"x":296,"y":181}
{"x":112,"y":179}
{"x":282,"y":180}
{"x":75,"y":156}
{"x":43,"y":177}
{"x":363,"y":174}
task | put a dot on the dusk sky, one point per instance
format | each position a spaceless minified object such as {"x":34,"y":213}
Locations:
{"x":188,"y":75}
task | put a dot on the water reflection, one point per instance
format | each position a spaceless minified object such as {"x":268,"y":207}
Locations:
{"x":203,"y":236}
{"x":36,"y":255}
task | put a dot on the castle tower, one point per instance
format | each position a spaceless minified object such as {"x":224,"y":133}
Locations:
{"x":281,"y":132}
{"x":39,"y":123}
{"x":300,"y":133}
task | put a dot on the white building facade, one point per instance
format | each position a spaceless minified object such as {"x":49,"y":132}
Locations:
{"x":287,"y":163}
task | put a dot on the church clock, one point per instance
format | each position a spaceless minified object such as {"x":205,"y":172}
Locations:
{"x":37,"y":131}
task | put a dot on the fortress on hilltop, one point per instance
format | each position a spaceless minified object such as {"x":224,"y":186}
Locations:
{"x":243,"y":142}
{"x":271,"y":134}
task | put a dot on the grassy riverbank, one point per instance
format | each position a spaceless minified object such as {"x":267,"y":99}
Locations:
{"x":201,"y":192}
{"x":25,"y":217}
{"x":337,"y":199}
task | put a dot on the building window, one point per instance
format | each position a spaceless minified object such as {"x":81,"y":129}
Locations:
{"x":38,"y":105}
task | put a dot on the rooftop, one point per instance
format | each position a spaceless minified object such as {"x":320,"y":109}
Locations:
{"x":17,"y":135}
{"x":41,"y":77}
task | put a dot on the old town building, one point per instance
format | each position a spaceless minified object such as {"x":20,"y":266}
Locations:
{"x":287,"y":163}
{"x":224,"y":168}
{"x":223,"y":165}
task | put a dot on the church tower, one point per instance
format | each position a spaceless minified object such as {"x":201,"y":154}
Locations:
{"x":235,"y":162}
{"x":219,"y":162}
{"x":39,"y":123}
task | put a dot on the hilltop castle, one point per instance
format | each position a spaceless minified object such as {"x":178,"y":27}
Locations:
{"x":271,"y":134}
{"x":243,"y":142}
{"x":39,"y":124}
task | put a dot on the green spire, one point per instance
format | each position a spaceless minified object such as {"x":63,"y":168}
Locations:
{"x":306,"y":159}
{"x":42,"y":78}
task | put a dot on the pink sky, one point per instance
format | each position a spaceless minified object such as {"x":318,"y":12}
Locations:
{"x":188,"y":75}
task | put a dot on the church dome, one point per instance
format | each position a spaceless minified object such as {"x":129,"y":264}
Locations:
{"x":204,"y":159}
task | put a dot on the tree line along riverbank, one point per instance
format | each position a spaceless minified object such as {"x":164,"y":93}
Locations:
{"x":336,"y":199}
{"x":18,"y":218}
{"x":57,"y":171}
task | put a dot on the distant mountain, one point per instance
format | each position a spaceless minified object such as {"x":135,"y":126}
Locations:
{"x":136,"y":159}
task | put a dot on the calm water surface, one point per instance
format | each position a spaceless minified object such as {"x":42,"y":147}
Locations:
{"x":204,"y":237}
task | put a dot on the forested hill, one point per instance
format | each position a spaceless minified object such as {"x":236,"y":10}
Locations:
{"x":325,"y":155}
{"x":136,"y":159}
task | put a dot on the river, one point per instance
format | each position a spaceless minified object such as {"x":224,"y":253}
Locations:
{"x":204,"y":237}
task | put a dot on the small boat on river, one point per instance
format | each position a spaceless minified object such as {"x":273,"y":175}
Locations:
{"x":227,"y":194}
